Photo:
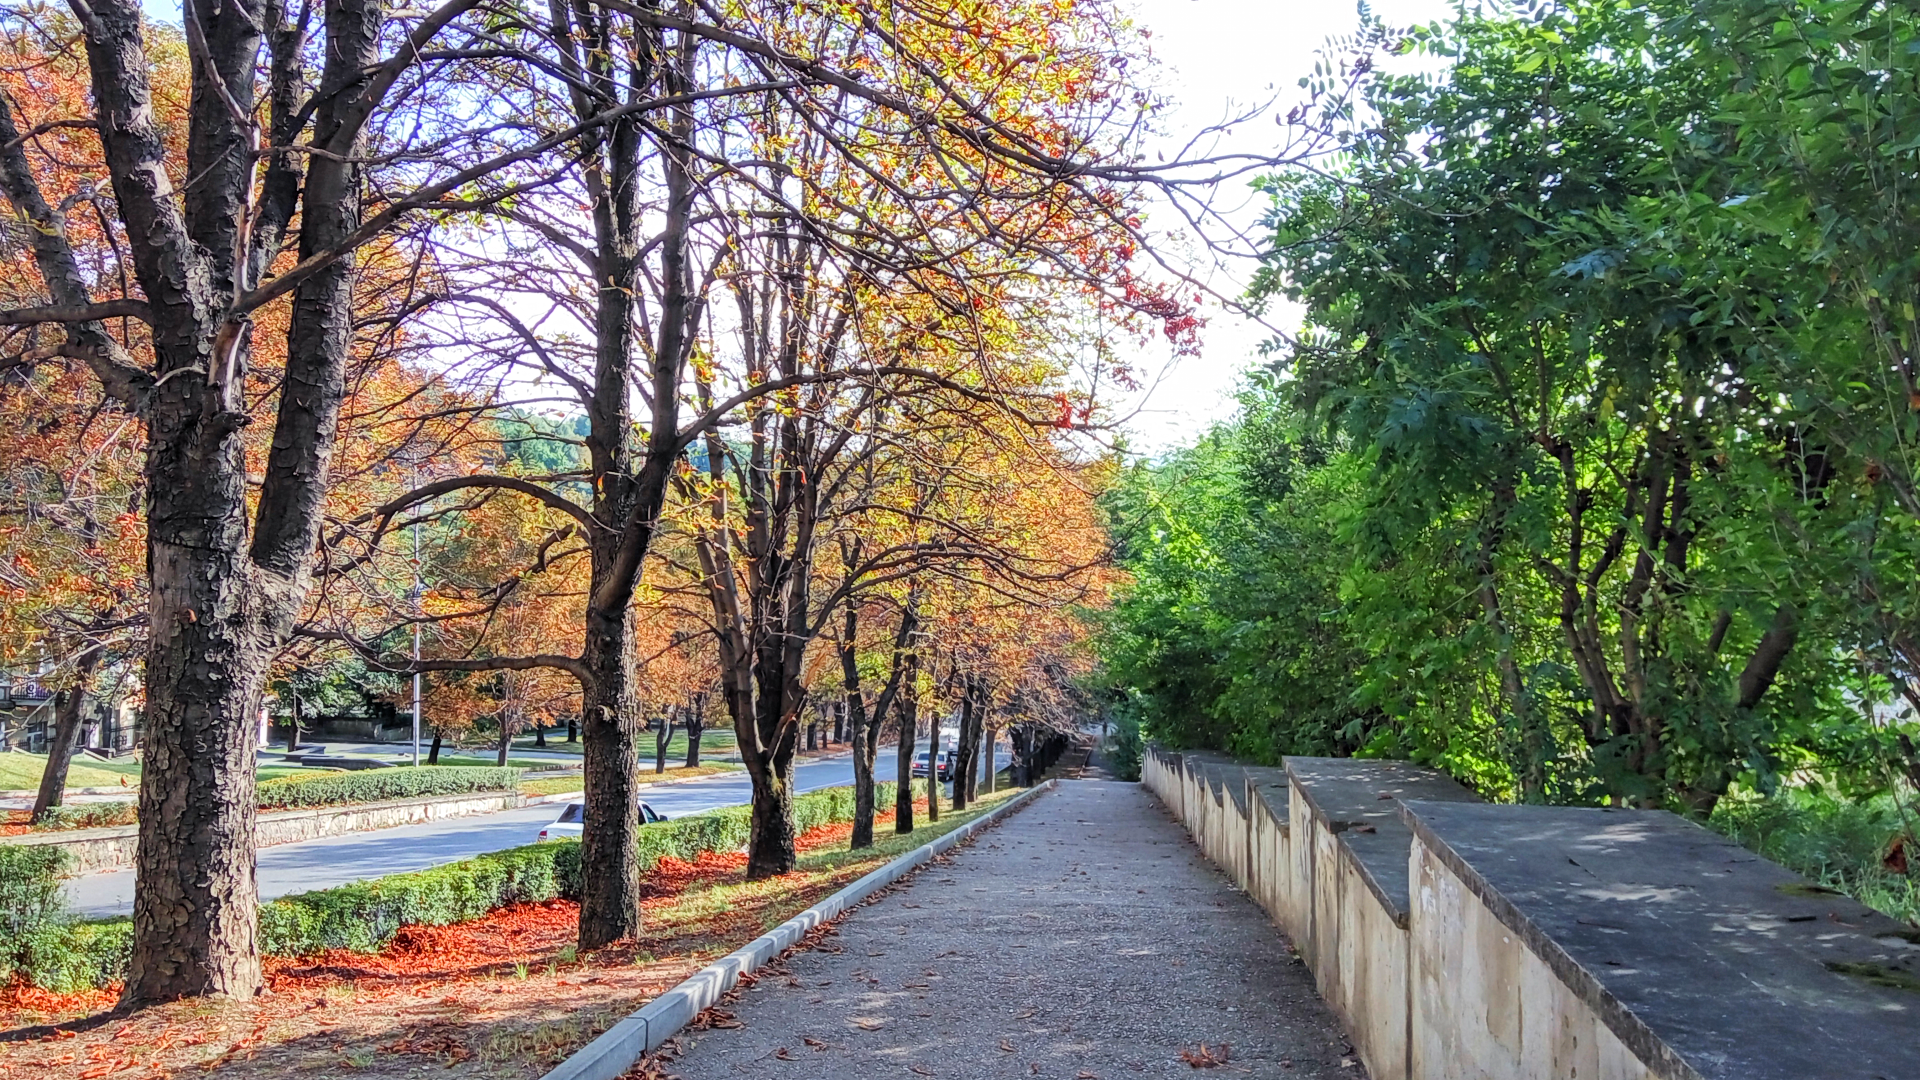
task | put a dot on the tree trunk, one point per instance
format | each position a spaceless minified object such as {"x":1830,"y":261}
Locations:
{"x":506,"y":740}
{"x":609,"y":863}
{"x":573,"y":729}
{"x":963,"y":747}
{"x":66,"y":734}
{"x":863,"y":808}
{"x":992,"y":743}
{"x":840,"y":722}
{"x":293,"y":736}
{"x":770,"y":844}
{"x":195,"y":905}
{"x":933,"y":769}
{"x":540,"y":735}
{"x":909,"y":707}
{"x":863,"y":726}
{"x":974,"y":738}
{"x":696,"y":726}
{"x":660,"y":740}
{"x":433,"y":752}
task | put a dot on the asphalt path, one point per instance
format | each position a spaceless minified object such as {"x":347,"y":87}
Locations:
{"x":338,"y":860}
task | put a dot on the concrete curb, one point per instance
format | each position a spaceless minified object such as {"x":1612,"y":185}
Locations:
{"x":615,"y":1051}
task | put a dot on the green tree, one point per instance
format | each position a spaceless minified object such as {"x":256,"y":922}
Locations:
{"x":1232,"y":635}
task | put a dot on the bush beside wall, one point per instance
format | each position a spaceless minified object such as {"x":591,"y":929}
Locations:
{"x":97,"y":815}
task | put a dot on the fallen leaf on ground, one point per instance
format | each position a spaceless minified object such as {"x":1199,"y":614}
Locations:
{"x":921,"y":1069}
{"x":1006,"y":1045}
{"x":783,"y":1054}
{"x":813,"y":1042}
{"x":1204,"y":1057}
{"x":866,"y":1023}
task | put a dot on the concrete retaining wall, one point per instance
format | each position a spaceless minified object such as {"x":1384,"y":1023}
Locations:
{"x":1289,"y":841}
{"x":1459,"y":941}
{"x":93,"y":850}
{"x":1485,"y":1006}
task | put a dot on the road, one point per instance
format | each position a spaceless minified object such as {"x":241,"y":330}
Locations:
{"x":337,"y":860}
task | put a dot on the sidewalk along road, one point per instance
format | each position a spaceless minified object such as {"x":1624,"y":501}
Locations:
{"x":1084,"y":938}
{"x":338,"y":860}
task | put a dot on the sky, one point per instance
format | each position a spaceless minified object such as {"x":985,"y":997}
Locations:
{"x":1218,"y":58}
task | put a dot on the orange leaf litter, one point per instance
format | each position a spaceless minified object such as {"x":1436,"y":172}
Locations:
{"x":424,"y":956}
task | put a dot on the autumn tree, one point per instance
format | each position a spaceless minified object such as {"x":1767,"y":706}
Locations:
{"x":944,"y":149}
{"x":278,"y":153}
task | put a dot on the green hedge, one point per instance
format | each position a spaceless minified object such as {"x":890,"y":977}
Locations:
{"x":364,"y":917}
{"x":317,"y":789}
{"x":379,"y":785}
{"x":41,"y":945}
{"x":29,"y":890}
{"x":98,"y":815}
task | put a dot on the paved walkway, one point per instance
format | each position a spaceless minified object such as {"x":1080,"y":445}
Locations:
{"x":1084,"y":937}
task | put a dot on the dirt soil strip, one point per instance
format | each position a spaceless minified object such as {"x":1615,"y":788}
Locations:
{"x":615,"y":1052}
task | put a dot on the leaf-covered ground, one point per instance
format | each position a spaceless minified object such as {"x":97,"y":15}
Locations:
{"x":502,"y":997}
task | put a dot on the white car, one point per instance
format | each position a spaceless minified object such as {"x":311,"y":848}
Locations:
{"x":574,"y":818}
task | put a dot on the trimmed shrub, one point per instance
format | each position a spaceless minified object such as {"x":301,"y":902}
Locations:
{"x":99,"y":815}
{"x":364,"y":917}
{"x":379,"y":785}
{"x":78,"y":956}
{"x":29,"y":891}
{"x":39,"y":942}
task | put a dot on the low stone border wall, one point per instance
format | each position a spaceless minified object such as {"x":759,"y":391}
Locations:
{"x":93,"y":850}
{"x":1460,"y":939}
